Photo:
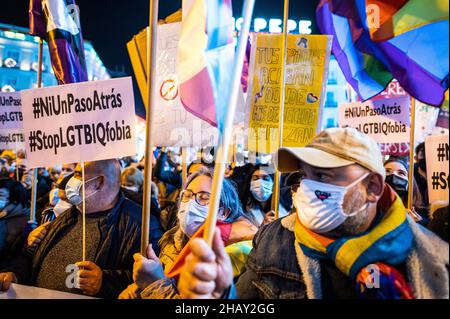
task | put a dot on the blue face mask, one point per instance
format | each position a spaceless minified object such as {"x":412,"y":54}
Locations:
{"x":191,"y":216}
{"x":261,"y":189}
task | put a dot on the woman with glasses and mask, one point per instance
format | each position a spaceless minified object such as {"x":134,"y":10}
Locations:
{"x":256,"y":196}
{"x":154,"y":276}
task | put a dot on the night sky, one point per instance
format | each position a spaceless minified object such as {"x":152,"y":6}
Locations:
{"x":109,"y":25}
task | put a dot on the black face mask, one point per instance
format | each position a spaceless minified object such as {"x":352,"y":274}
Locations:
{"x":400,"y":185}
{"x":422,"y":164}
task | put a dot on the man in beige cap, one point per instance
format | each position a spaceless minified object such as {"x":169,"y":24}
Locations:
{"x":349,"y":237}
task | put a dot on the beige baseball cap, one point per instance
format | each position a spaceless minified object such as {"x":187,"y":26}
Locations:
{"x":334,"y":147}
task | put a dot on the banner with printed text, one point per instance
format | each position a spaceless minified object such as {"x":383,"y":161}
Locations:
{"x":386,"y":120}
{"x":86,"y":121}
{"x":307,"y":62}
{"x":11,"y":126}
{"x":437,"y":155}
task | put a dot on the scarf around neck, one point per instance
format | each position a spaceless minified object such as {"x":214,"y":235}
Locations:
{"x":388,"y":241}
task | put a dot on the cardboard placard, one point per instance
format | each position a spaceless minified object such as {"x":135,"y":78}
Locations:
{"x":437,"y":156}
{"x":307,"y":62}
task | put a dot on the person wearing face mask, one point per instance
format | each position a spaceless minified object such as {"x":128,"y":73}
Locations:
{"x":132,"y":180}
{"x":113,"y":231}
{"x":155,"y":277}
{"x":397,"y":176}
{"x":420,"y":172}
{"x":14,"y":214}
{"x":57,"y":204}
{"x":350,"y":237}
{"x":169,"y":207}
{"x":169,"y":173}
{"x":257,"y":196}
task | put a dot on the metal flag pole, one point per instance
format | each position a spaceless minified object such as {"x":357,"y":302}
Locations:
{"x":412,"y":129}
{"x":152,"y":31}
{"x":35,"y":170}
{"x":225,"y":138}
{"x":277,"y":181}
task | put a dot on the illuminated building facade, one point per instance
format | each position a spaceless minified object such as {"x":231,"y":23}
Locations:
{"x":19,"y":61}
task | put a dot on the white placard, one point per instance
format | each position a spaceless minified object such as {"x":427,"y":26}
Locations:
{"x":173,"y":124}
{"x":16,"y":291}
{"x":437,"y":155}
{"x":11,"y":126}
{"x":79,"y":122}
{"x":386,"y":120}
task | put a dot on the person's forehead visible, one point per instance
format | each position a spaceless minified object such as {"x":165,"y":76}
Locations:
{"x":200,"y":183}
{"x":260,"y":172}
{"x":395,"y":165}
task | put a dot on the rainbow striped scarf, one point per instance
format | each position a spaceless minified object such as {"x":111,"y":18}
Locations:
{"x":388,"y":242}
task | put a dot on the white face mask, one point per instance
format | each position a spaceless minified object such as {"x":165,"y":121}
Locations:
{"x":73,"y":192}
{"x":261,"y":189}
{"x":61,"y":207}
{"x":319,"y":205}
{"x":191,"y":216}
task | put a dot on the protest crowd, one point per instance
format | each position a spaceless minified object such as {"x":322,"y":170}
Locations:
{"x":326,"y":212}
{"x":253,"y":255}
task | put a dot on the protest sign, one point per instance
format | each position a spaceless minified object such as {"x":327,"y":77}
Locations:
{"x":173,"y":125}
{"x":79,"y":122}
{"x":386,"y":120}
{"x":16,"y":291}
{"x":393,"y":90}
{"x":11,"y":134}
{"x":307,"y":59}
{"x":437,"y":156}
{"x":426,"y":118}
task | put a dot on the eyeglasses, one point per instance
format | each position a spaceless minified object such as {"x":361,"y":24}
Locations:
{"x":202,"y":198}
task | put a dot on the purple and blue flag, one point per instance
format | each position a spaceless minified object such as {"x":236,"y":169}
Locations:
{"x":57,"y":21}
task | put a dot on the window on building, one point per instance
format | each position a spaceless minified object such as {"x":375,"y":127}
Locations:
{"x":330,"y":101}
{"x":12,"y":59}
{"x":330,"y":123}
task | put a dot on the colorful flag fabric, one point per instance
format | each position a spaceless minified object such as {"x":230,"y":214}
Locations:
{"x":416,"y":54}
{"x":399,"y":16}
{"x":57,"y":21}
{"x":364,"y":73}
{"x":205,"y":59}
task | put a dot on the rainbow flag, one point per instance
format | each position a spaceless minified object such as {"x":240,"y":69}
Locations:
{"x":205,"y":59}
{"x":57,"y":21}
{"x":414,"y":50}
{"x":400,"y":16}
